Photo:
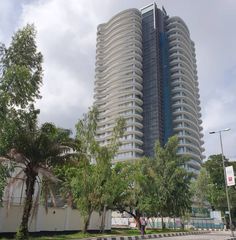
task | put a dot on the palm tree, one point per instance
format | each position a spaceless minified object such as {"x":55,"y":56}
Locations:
{"x":32,"y":148}
{"x":36,"y":151}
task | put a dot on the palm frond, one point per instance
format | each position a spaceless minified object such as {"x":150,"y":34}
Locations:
{"x":52,"y":197}
{"x":47,"y":173}
{"x":4,"y":159}
{"x":70,"y":199}
{"x":9,"y":188}
{"x":64,"y":148}
{"x":17,"y":157}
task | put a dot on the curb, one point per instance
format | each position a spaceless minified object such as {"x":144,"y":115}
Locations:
{"x":150,"y":236}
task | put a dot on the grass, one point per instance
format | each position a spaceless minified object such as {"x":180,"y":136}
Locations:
{"x":114,"y":232}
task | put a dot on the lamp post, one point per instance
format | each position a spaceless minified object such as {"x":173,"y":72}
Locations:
{"x":226,"y":188}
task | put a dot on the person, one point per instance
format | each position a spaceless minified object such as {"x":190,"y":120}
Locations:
{"x":143,"y":224}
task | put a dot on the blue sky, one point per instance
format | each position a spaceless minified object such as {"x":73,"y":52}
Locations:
{"x":67,"y":39}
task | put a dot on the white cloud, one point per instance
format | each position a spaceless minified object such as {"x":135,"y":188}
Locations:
{"x":67,"y":38}
{"x":7,"y":19}
{"x":219,"y":113}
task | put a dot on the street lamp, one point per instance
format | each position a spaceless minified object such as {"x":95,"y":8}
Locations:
{"x":226,"y":188}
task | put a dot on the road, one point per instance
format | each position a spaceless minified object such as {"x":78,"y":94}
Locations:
{"x":208,"y":236}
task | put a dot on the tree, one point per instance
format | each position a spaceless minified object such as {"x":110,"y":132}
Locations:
{"x":173,"y":192}
{"x":37,"y":151}
{"x":157,"y":186}
{"x":217,"y":195}
{"x":125,"y":190}
{"x":180,"y":200}
{"x":20,"y":72}
{"x":214,"y":168}
{"x":84,"y":190}
{"x":20,"y":78}
{"x":88,"y":181}
{"x":34,"y":149}
{"x":201,"y":189}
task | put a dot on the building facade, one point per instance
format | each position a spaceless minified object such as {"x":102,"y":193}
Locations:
{"x":118,"y":84}
{"x":146,"y":72}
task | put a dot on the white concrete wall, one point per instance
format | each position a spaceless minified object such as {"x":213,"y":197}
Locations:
{"x":57,"y":219}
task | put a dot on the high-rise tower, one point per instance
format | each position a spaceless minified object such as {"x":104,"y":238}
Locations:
{"x":156,"y":79}
{"x":146,"y":72}
{"x":118,"y":81}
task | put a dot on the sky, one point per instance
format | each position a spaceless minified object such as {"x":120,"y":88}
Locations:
{"x":66,"y":36}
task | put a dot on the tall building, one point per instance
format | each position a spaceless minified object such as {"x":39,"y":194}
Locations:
{"x":146,"y":72}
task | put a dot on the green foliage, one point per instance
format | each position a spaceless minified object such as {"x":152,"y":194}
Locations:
{"x":84,"y":190}
{"x":21,"y":70}
{"x":35,"y":149}
{"x":12,"y":130}
{"x":123,"y":188}
{"x":87,"y":181}
{"x":4,"y":173}
{"x":38,"y":150}
{"x":215,"y":189}
{"x":214,"y":168}
{"x":201,"y":188}
{"x":21,"y":234}
{"x":86,"y":132}
{"x":20,"y":79}
{"x":156,"y":186}
{"x":173,"y":196}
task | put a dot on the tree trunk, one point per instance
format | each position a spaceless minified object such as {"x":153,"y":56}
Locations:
{"x":86,"y":222}
{"x":137,"y":220}
{"x":182,"y":225}
{"x":152,"y":222}
{"x":103,"y":219}
{"x":70,"y":200}
{"x":23,"y":232}
{"x":163,"y":225}
{"x":135,"y":216}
